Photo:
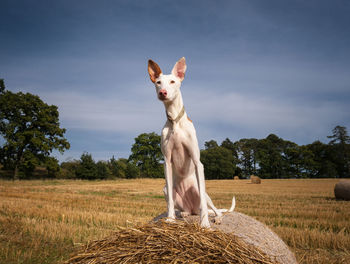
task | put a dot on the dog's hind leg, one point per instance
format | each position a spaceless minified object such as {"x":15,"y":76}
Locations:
{"x":211,"y":205}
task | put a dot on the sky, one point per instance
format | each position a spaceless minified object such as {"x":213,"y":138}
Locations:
{"x":253,"y":67}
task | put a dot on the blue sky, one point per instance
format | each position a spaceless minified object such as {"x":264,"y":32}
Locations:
{"x":253,"y":67}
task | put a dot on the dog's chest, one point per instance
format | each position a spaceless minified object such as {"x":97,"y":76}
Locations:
{"x":174,"y":143}
{"x":175,"y":148}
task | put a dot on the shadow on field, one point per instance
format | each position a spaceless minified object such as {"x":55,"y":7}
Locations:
{"x":327,"y":198}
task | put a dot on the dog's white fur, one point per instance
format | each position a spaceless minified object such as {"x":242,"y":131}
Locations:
{"x":184,"y":173}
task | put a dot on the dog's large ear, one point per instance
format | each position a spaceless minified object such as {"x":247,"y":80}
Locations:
{"x":180,"y":68}
{"x":153,"y":70}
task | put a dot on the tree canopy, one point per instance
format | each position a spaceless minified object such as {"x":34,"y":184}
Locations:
{"x":340,"y":148}
{"x":219,"y":162}
{"x":146,"y":154}
{"x":30,"y":129}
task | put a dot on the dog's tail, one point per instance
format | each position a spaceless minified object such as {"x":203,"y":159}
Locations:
{"x":218,"y":212}
{"x":233,"y":205}
{"x":232,"y":208}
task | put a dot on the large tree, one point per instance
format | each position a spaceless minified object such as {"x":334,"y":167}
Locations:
{"x":228,"y":144}
{"x":298,"y":161}
{"x":147,"y":155}
{"x":340,"y":144}
{"x":219,"y":163}
{"x":246,"y":152}
{"x":30,"y":131}
{"x":323,"y":165}
{"x":270,"y":157}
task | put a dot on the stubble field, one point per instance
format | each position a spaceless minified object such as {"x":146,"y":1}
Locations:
{"x":45,"y":221}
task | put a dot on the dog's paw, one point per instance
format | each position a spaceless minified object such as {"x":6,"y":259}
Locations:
{"x":184,"y":214}
{"x":205,"y":223}
{"x":170,"y":220}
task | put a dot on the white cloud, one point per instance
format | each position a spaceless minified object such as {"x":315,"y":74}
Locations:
{"x":260,"y":115}
{"x":210,"y":110}
{"x":114,"y":113}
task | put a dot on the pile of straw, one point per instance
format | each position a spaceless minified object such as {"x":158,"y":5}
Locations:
{"x":236,"y":178}
{"x":255,"y":179}
{"x":162,"y":242}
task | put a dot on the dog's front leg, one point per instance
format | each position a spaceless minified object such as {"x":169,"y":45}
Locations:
{"x":170,"y":189}
{"x":192,"y":147}
{"x":201,"y":185}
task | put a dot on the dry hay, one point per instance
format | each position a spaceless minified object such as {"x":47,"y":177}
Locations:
{"x":236,"y":178}
{"x":249,"y":230}
{"x":178,"y":242}
{"x":255,"y":179}
{"x":237,"y":238}
{"x":342,"y":190}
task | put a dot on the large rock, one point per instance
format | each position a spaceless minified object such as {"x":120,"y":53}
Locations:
{"x":251,"y":231}
{"x":342,"y":190}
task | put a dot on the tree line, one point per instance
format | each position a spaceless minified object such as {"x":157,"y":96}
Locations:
{"x":271,"y":157}
{"x":30,"y":131}
{"x":145,"y":161}
{"x":274,"y":157}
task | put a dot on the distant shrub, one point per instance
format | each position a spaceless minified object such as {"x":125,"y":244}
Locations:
{"x":68,"y":169}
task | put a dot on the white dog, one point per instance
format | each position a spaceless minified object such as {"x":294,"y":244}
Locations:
{"x":184,"y":173}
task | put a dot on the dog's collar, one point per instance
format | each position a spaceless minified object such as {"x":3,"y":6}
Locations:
{"x":179,"y":116}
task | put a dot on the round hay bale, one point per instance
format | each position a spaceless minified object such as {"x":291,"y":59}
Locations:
{"x":236,"y":178}
{"x":255,"y":179}
{"x":342,"y":190}
{"x":178,"y":242}
{"x":238,"y":239}
{"x":252,"y":232}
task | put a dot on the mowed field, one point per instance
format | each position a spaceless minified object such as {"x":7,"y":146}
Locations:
{"x":45,"y":221}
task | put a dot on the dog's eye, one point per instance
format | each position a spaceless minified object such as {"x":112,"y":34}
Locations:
{"x":159,"y":82}
{"x":172,"y":81}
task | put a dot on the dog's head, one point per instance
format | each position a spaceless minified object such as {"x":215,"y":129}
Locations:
{"x":167,"y":86}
